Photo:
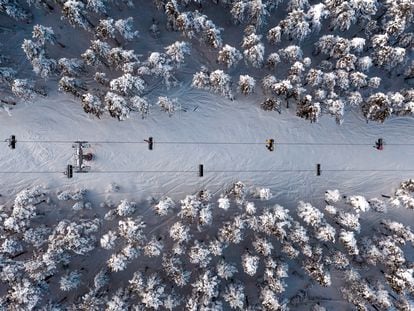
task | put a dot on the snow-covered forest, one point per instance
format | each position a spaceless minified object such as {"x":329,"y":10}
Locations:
{"x":315,"y":57}
{"x":212,"y":82}
{"x":238,"y":250}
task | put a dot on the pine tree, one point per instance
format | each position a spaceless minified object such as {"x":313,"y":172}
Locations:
{"x":229,"y":56}
{"x":70,"y":281}
{"x":125,"y":28}
{"x":117,"y":106}
{"x":220,"y":82}
{"x":246,"y":84}
{"x":74,"y":12}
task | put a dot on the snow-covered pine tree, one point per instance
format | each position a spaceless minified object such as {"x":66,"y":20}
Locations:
{"x":229,"y":56}
{"x":105,"y":29}
{"x":246,"y":84}
{"x":70,"y":281}
{"x":97,"y":6}
{"x":73,"y":67}
{"x":74,"y":12}
{"x":117,"y":106}
{"x":377,"y":107}
{"x":201,"y":79}
{"x":253,"y":50}
{"x":177,"y":51}
{"x":13,"y":9}
{"x":125,"y":28}
{"x":92,"y":104}
{"x":220,"y":82}
{"x":25,"y":89}
{"x":127,"y":85}
{"x":72,"y":85}
{"x":43,"y":34}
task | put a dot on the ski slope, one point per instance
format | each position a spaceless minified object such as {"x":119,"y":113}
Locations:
{"x":204,"y":118}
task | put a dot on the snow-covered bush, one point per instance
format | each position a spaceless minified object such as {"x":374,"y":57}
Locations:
{"x":332,"y":196}
{"x":167,"y":105}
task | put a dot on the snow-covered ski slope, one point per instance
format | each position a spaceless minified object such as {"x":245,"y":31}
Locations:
{"x":208,"y":118}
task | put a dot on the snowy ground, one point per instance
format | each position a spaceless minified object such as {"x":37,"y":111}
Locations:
{"x":215,"y":120}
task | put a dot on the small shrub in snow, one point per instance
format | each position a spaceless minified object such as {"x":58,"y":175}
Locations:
{"x":167,"y":105}
{"x":264,"y":194}
{"x":78,"y":206}
{"x":332,"y":196}
{"x":250,"y":208}
{"x":331,"y":209}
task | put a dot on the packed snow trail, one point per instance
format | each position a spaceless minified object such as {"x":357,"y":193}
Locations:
{"x":216,"y":119}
